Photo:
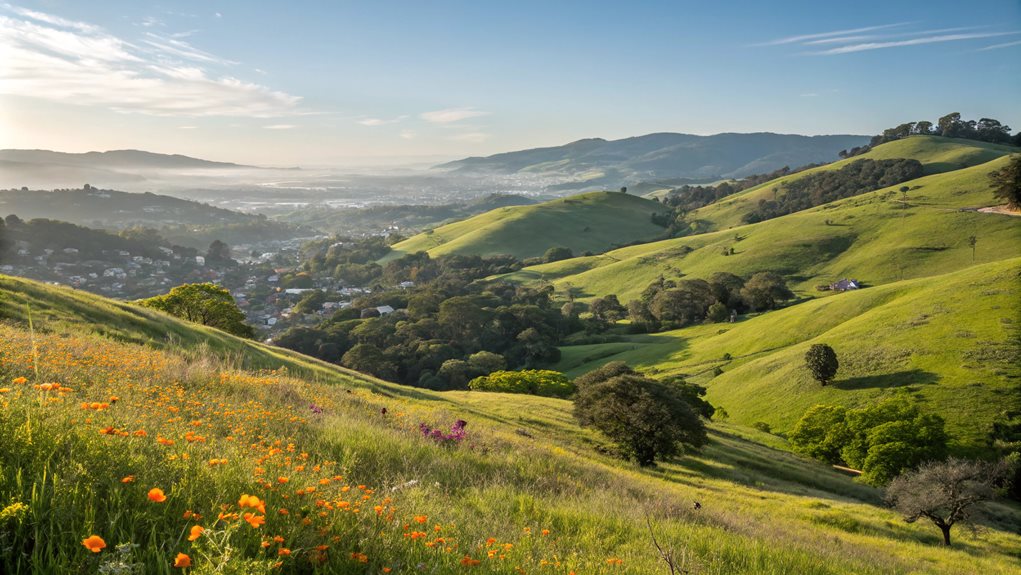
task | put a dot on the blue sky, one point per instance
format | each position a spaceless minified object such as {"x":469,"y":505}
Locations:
{"x":344,"y":82}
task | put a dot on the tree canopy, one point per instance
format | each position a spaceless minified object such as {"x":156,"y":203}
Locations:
{"x":204,"y":303}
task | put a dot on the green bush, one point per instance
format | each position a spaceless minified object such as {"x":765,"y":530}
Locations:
{"x":543,"y":382}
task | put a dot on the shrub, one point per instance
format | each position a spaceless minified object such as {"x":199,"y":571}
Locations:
{"x":543,"y":382}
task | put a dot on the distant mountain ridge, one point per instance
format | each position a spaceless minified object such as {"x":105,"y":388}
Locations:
{"x":598,"y":162}
{"x":111,"y":159}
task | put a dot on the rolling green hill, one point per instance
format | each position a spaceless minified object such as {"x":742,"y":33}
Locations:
{"x":592,"y":222}
{"x":948,"y":340}
{"x":875,"y":238}
{"x":937,"y":155}
{"x":527,"y":477}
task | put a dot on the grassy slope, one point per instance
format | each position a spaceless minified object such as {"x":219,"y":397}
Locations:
{"x":947,"y":340}
{"x":937,"y":155}
{"x":764,"y":511}
{"x":595,"y":222}
{"x":870,"y":237}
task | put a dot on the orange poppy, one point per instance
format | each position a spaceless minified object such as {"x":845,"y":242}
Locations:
{"x":156,"y":495}
{"x":196,"y":532}
{"x":94,"y":543}
{"x":182,"y":561}
{"x":255,"y":520}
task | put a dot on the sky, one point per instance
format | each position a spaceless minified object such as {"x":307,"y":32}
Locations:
{"x":336,"y":82}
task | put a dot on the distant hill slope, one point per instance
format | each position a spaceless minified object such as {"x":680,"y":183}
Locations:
{"x":594,"y":222}
{"x":937,"y":155}
{"x":112,"y":159}
{"x":610,"y":163}
{"x":870,"y":237}
{"x":111,"y":208}
{"x":121,"y":168}
{"x":949,"y":340}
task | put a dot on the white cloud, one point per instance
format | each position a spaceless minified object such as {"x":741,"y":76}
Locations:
{"x":372,"y":122}
{"x":280,"y":127}
{"x":181,"y":49}
{"x":998,"y":46}
{"x":52,"y":58}
{"x":805,"y":37}
{"x":912,"y":42}
{"x":472,"y":137}
{"x":451,"y":115}
{"x":408,"y":134}
{"x":187,"y":127}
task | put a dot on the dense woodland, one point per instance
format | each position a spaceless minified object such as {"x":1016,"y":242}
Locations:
{"x":827,"y":186}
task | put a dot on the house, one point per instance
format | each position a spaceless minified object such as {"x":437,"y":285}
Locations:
{"x":384,"y":310}
{"x":845,"y":285}
{"x":406,"y":285}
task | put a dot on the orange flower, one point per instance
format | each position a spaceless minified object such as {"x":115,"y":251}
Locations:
{"x":283,"y":552}
{"x":5,"y":390}
{"x":128,"y":479}
{"x":196,"y":532}
{"x":93,"y":543}
{"x":282,"y":480}
{"x":255,"y":520}
{"x":253,"y":502}
{"x":156,"y":495}
{"x":421,"y":518}
{"x":360,"y":557}
{"x":19,"y":380}
{"x":545,"y":532}
{"x":182,"y":561}
{"x":469,"y":562}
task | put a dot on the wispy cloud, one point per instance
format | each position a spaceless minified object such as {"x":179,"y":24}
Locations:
{"x":850,"y":48}
{"x":998,"y":46}
{"x":807,"y":37}
{"x":408,"y":134}
{"x":174,"y":47}
{"x":187,"y":127}
{"x":280,"y":127}
{"x":886,"y":36}
{"x":52,"y":58}
{"x":451,"y":115}
{"x":372,"y":122}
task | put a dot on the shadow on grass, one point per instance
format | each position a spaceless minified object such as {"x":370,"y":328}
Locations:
{"x":888,"y":380}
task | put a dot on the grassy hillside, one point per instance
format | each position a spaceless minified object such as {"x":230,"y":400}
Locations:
{"x":937,"y":155}
{"x":365,"y":492}
{"x":950,"y":341}
{"x":874,"y":237}
{"x":594,"y":222}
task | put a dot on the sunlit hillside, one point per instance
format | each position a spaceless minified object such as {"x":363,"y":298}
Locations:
{"x":199,"y":462}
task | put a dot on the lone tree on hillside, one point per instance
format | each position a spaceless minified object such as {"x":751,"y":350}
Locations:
{"x":972,"y":240}
{"x":946,"y":492}
{"x":205,"y":303}
{"x":1007,"y":183}
{"x":821,"y":360}
{"x":647,"y":419}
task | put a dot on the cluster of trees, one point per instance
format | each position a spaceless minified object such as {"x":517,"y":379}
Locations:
{"x":949,"y":126}
{"x":668,"y":304}
{"x":645,"y":418}
{"x":204,"y":303}
{"x":1007,"y":183}
{"x":688,"y":198}
{"x":352,"y":261}
{"x":826,"y":186}
{"x":90,"y":243}
{"x":544,"y":382}
{"x":881,"y":440}
{"x":441,"y":325}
